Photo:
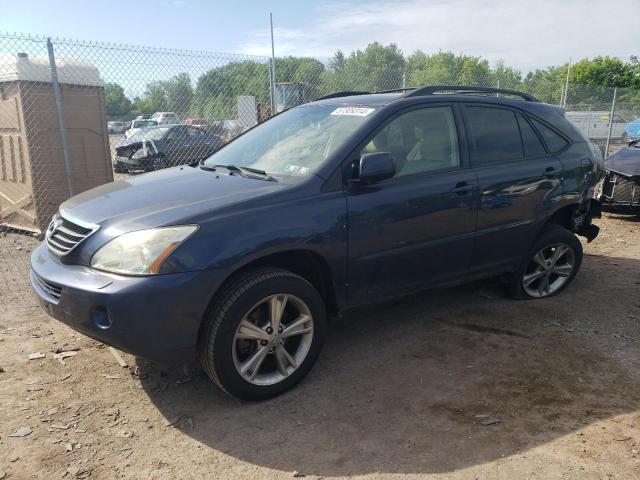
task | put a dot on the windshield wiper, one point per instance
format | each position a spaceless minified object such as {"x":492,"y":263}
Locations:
{"x":255,"y":170}
{"x":205,"y":167}
{"x":244,"y":171}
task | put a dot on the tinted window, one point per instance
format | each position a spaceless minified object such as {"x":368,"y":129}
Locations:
{"x":532,"y":145}
{"x":421,"y":140}
{"x":176,"y":133}
{"x":495,"y":134}
{"x":554,"y":142}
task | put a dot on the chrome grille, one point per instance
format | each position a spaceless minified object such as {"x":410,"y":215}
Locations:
{"x":624,"y":192}
{"x":53,"y":290}
{"x":63,"y":235}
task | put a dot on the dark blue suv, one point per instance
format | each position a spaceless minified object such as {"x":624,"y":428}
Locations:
{"x":348,"y":200}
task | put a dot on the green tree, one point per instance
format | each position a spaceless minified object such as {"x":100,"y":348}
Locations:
{"x":448,"y":68}
{"x":338,"y":61}
{"x":153,"y":100}
{"x":179,"y":94}
{"x":505,"y":77}
{"x":375,"y":68}
{"x":217,"y":90}
{"x":606,"y":72}
{"x":173,"y":95}
{"x":117,"y":105}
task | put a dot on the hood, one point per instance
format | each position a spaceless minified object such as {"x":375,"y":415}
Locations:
{"x":625,"y":161}
{"x":129,"y":142}
{"x":166,"y":197}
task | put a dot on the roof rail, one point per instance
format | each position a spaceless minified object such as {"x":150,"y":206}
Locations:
{"x":394,"y":90}
{"x":431,"y":89}
{"x":341,"y":94}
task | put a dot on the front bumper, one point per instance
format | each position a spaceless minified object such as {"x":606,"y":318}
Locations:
{"x":157,"y":317}
{"x":124,"y":164}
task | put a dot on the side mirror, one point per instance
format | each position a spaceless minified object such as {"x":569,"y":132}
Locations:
{"x":375,"y":167}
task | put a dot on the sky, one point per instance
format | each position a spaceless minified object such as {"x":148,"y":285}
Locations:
{"x":526,"y":34}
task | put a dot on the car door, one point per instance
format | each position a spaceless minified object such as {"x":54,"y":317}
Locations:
{"x":178,"y":146}
{"x":519,"y":181}
{"x":415,"y":229}
{"x":198,"y":143}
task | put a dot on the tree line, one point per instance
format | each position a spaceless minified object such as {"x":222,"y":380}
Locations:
{"x":375,"y":68}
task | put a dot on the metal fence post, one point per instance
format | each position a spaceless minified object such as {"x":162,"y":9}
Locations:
{"x":613,"y":109}
{"x":566,"y":86}
{"x":271,"y":89}
{"x":58,"y":98}
{"x":273,"y":68}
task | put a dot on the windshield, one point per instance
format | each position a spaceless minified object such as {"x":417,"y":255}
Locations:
{"x":151,"y":133}
{"x":142,"y":123}
{"x":295,"y":142}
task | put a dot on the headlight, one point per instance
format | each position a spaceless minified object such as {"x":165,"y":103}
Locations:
{"x":148,"y":148}
{"x":140,"y":153}
{"x":141,"y":252}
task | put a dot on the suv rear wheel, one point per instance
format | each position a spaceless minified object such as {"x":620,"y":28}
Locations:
{"x":263,"y":333}
{"x":550,"y":265}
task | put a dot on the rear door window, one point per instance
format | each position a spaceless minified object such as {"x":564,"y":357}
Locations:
{"x":494,"y":134}
{"x":533,"y":147}
{"x":554,"y":141}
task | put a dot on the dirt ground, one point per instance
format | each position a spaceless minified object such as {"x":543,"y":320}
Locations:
{"x":404,"y":390}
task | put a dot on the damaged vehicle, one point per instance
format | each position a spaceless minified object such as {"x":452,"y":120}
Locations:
{"x":137,"y":125}
{"x":238,"y":260}
{"x":620,"y":188}
{"x":161,"y":146}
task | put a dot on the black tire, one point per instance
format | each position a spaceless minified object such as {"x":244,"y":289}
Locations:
{"x":159,"y":163}
{"x":552,"y":234}
{"x":216,"y":344}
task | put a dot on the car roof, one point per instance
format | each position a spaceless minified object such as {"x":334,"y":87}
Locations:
{"x":372,"y":99}
{"x":552,"y":114}
{"x":381,"y":99}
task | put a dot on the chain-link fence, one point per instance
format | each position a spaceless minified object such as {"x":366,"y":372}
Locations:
{"x":75,"y":115}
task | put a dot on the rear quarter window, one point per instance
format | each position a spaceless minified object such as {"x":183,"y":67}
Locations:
{"x":555,"y":142}
{"x":533,"y":147}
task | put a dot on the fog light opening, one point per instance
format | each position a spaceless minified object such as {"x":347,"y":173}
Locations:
{"x":101,"y":318}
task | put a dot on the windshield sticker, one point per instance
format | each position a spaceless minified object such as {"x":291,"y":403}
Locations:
{"x":296,"y":169}
{"x":353,"y":111}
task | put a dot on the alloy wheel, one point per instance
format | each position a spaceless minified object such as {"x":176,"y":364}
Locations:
{"x":273,"y":339}
{"x":159,"y":164}
{"x":549,"y":270}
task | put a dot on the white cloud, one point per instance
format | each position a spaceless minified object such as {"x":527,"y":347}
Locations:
{"x":526,"y":34}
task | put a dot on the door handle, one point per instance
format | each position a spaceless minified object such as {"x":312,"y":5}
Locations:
{"x":461,"y":188}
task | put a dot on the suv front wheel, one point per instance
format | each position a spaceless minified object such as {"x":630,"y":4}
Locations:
{"x":550,"y":265}
{"x":263,"y":333}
